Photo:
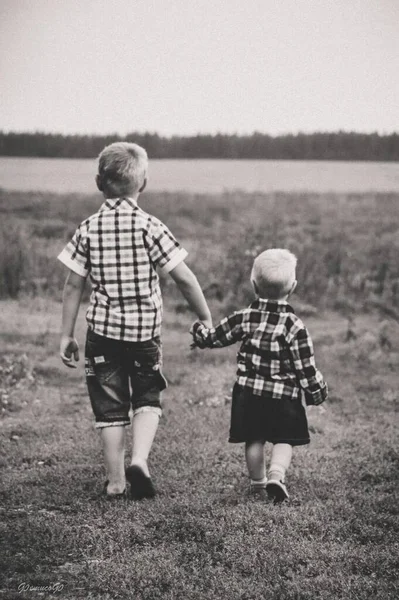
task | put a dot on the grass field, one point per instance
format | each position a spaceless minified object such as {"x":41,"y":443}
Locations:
{"x":204,"y":537}
{"x":347,"y":244}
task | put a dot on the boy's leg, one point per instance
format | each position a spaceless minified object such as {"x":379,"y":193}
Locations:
{"x":280,"y":461}
{"x":113,"y":440}
{"x":144,"y":428}
{"x":145,"y":425}
{"x":147,"y":382}
{"x":108,"y":387}
{"x":255,"y":459}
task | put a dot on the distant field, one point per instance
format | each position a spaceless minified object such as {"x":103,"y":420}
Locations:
{"x":207,"y":176}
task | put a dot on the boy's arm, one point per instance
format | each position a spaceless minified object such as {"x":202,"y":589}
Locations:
{"x":73,"y":290}
{"x":310,"y":378}
{"x":167,"y":254}
{"x":188,"y":284}
{"x":226,"y":333}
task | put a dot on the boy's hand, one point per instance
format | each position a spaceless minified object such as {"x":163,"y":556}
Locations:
{"x":195,"y":342}
{"x":207,"y":322}
{"x":68,"y":347}
{"x":317,"y":398}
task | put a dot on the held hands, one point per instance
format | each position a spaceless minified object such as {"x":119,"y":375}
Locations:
{"x":196,"y":343}
{"x":315,"y":399}
{"x":207,"y":323}
{"x":193,"y":344}
{"x":69,"y":350}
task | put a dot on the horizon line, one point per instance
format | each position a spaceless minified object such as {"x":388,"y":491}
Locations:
{"x":201,"y":134}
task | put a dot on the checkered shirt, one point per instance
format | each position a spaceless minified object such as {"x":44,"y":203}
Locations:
{"x":276,"y":355}
{"x":120,"y":247}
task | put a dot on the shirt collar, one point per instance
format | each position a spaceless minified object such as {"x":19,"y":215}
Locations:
{"x":114,"y":203}
{"x":275,"y":306}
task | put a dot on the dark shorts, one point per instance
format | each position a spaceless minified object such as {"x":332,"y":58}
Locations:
{"x":122,"y":375}
{"x":275,"y":420}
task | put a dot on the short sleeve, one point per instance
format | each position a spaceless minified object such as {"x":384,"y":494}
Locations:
{"x":75,"y":254}
{"x":164,"y":250}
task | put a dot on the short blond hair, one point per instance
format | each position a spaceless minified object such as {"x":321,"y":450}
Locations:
{"x":273,"y":273}
{"x":122,"y":168}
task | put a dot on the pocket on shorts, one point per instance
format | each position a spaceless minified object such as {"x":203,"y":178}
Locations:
{"x":147,"y":357}
{"x":101,"y":357}
{"x":144,"y":381}
{"x":147,"y":367}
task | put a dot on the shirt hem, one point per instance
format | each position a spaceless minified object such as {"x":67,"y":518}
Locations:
{"x":124,"y":338}
{"x":292,"y":393}
{"x":280,"y":440}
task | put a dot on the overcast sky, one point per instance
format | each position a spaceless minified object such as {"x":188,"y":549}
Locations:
{"x":189,"y":66}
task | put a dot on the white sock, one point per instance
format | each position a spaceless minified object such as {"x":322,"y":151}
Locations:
{"x":276,"y":472}
{"x":259,"y":483}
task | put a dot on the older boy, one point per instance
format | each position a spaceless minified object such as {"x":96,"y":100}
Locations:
{"x":119,"y":248}
{"x":274,"y":363}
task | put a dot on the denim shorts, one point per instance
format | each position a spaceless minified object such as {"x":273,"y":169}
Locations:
{"x":121,"y":376}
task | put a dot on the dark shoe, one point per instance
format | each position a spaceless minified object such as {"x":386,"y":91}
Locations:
{"x":141,"y":486}
{"x":276,"y":491}
{"x":113,"y":496}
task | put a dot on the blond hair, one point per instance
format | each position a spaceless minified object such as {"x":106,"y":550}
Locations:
{"x":273,"y":273}
{"x":122,"y":169}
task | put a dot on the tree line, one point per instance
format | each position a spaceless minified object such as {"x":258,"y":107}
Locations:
{"x":339,"y":145}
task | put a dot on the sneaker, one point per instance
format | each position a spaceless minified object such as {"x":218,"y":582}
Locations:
{"x":276,"y":491}
{"x":141,"y":486}
{"x":255,"y":486}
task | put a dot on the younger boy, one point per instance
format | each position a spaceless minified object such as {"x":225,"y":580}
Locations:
{"x":119,"y":248}
{"x":274,"y":363}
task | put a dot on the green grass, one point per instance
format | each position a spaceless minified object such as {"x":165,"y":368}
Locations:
{"x":203,"y":537}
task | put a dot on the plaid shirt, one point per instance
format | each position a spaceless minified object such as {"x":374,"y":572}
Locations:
{"x":120,"y":247}
{"x":276,"y":355}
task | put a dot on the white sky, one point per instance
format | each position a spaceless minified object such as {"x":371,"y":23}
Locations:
{"x":189,"y":66}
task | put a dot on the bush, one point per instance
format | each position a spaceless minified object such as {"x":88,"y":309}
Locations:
{"x":347,"y":254}
{"x":14,"y":259}
{"x":49,"y":229}
{"x":15,"y":372}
